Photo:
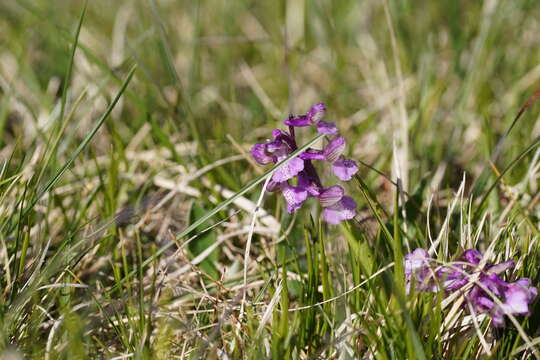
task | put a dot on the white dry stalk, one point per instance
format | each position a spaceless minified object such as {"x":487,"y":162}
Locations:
{"x":469,"y":227}
{"x":533,"y":342}
{"x":526,"y":82}
{"x":428,"y":216}
{"x":56,"y":324}
{"x":532,"y":171}
{"x":62,"y":285}
{"x":248,"y":206}
{"x":438,"y":177}
{"x":398,"y":179}
{"x":481,"y":337}
{"x":480,"y":228}
{"x":124,"y":14}
{"x":269,"y":309}
{"x":54,"y":328}
{"x":245,"y":154}
{"x":403,"y":125}
{"x":121,"y":357}
{"x":347,"y":326}
{"x":446,"y":224}
{"x":248,"y":244}
{"x":38,"y":266}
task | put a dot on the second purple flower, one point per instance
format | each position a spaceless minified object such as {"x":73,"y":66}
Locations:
{"x":488,"y":294}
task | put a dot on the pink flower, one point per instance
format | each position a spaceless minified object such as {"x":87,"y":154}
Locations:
{"x":336,"y":206}
{"x":512,"y":298}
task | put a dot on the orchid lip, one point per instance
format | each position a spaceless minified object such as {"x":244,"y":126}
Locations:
{"x":344,"y":169}
{"x":331,"y":195}
{"x":259,"y":153}
{"x":344,"y":209}
{"x":334,"y":149}
{"x":316,"y":113}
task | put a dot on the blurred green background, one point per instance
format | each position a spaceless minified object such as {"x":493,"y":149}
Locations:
{"x":210,"y":68}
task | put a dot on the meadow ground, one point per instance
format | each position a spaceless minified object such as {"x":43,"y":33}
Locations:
{"x":131,"y":218}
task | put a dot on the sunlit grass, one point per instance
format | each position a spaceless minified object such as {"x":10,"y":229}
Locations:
{"x":128,"y":195}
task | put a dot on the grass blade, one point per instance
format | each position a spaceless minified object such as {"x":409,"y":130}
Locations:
{"x":82,"y":145}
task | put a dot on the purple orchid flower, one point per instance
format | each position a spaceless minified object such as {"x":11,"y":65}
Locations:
{"x":513,"y":298}
{"x":336,"y":206}
{"x":418,"y":269}
{"x":313,"y":117}
{"x":343,"y":169}
{"x":518,"y":296}
{"x":280,"y":148}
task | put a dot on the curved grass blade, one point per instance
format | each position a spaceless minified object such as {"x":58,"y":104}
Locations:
{"x":524,"y":153}
{"x":482,"y":179}
{"x":82,"y":145}
{"x":63,"y":100}
{"x":69,"y":69}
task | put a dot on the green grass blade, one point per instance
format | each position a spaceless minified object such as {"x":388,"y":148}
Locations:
{"x":509,"y":167}
{"x":69,"y":69}
{"x":82,"y":145}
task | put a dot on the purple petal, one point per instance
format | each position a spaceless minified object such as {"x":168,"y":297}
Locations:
{"x":342,"y":210}
{"x":472,"y":256}
{"x":497,"y":317}
{"x":297,"y":121}
{"x":516,"y":300}
{"x":326,"y":128}
{"x":417,"y":259}
{"x":309,"y":183}
{"x":316,"y":113}
{"x":452,"y":279}
{"x":276,"y":134}
{"x":294,"y":196}
{"x":494,"y":284}
{"x":481,"y":302}
{"x":523,"y":282}
{"x":289,"y":170}
{"x":331,"y":195}
{"x":283,"y":137}
{"x":533,"y":292}
{"x":416,"y":266}
{"x":279,"y":149}
{"x":258,"y":151}
{"x":344,"y":169}
{"x":501,"y":267}
{"x":334,"y":148}
{"x":312,"y":154}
